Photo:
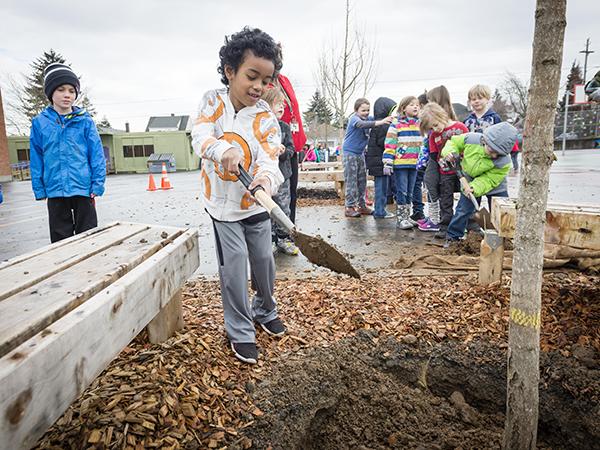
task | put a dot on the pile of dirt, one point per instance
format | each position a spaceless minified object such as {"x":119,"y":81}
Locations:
{"x":471,"y":245}
{"x":318,"y":197}
{"x":373,"y":392}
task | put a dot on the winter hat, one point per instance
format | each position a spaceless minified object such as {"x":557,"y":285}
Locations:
{"x":57,"y":74}
{"x":501,"y":137}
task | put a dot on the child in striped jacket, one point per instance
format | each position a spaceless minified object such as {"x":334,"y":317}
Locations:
{"x":403,"y":145}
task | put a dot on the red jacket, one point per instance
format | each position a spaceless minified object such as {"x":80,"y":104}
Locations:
{"x":291,"y":113}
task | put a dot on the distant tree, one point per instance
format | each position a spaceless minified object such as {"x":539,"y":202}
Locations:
{"x":26,"y":97}
{"x":575,"y":77}
{"x":35,"y":99}
{"x":515,"y":92}
{"x":104,"y":123}
{"x":501,"y":106}
{"x":347,"y":70}
{"x":318,"y":110}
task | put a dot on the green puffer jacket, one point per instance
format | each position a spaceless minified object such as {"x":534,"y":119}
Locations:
{"x":486,"y":176}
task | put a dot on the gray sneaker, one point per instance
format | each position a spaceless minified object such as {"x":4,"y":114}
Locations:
{"x":287,"y":247}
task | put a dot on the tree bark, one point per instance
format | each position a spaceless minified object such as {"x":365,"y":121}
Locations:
{"x":520,"y":430}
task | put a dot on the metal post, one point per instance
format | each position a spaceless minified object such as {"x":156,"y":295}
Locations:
{"x":587,"y":51}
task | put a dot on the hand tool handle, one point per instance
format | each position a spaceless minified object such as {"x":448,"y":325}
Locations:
{"x":266,"y":201}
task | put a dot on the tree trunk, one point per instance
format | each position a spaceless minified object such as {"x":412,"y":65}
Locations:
{"x":5,"y":173}
{"x":520,"y":430}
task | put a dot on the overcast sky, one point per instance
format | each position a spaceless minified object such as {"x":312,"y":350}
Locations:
{"x":151,"y":57}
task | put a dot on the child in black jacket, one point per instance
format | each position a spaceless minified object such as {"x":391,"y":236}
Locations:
{"x":383,"y":108}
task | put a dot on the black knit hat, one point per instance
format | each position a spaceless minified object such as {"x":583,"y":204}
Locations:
{"x":57,"y":74}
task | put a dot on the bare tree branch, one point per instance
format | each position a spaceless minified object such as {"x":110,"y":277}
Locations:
{"x":346,"y":69}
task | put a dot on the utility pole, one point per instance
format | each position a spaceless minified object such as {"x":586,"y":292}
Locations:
{"x":587,"y":51}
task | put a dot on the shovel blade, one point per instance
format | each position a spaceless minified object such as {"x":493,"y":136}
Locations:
{"x":484,"y":219}
{"x":319,"y":252}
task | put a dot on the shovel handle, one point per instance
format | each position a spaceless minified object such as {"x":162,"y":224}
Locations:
{"x":266,"y":201}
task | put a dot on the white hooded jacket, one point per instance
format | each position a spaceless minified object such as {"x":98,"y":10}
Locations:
{"x":253,"y":130}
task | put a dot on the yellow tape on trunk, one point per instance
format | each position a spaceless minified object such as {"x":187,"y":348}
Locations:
{"x":526,"y":320}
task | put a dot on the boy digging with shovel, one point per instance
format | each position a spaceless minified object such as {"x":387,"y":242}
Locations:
{"x":485,"y":161}
{"x":236,"y":127}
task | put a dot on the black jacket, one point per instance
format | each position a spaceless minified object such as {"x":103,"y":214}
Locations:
{"x":285,"y":164}
{"x":381,"y":110}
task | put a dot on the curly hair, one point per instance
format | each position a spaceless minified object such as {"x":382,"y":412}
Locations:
{"x":253,"y":39}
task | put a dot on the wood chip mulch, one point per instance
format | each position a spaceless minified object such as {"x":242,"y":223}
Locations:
{"x":189,"y":392}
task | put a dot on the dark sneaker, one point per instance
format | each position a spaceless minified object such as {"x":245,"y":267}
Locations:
{"x":352,"y":212}
{"x":365,"y":210}
{"x":245,"y":351}
{"x":275,"y":327}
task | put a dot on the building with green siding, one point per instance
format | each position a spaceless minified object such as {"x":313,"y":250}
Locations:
{"x":127,"y":152}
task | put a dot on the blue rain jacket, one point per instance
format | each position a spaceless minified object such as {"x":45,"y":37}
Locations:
{"x":66,"y":154}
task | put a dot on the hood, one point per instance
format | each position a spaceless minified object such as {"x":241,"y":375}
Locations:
{"x":382,"y":107}
{"x":501,"y":137}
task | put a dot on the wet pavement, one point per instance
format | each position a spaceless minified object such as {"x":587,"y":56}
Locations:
{"x":373,"y":244}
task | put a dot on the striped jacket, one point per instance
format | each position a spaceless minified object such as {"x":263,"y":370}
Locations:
{"x":403,"y":143}
{"x":255,"y":132}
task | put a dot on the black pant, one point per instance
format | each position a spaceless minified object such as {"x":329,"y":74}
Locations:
{"x":70,"y":215}
{"x":293,"y":187}
{"x":449,"y":184}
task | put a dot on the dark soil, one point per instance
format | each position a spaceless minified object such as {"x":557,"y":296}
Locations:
{"x":318,"y":197}
{"x":368,"y":392}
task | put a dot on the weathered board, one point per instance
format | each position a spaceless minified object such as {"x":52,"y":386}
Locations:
{"x":31,"y":310}
{"x":42,"y":376}
{"x":321,"y":175}
{"x":568,"y":225}
{"x":25,"y":273}
{"x":321,"y":165}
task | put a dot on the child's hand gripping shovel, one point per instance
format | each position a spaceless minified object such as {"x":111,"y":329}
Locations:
{"x":316,"y":250}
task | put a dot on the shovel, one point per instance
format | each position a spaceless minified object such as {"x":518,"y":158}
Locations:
{"x":316,"y":250}
{"x":482,"y":215}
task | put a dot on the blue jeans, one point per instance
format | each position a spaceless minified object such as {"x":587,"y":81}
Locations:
{"x":405,"y":184}
{"x":381,"y":189}
{"x":417,"y":200}
{"x":464,"y":210}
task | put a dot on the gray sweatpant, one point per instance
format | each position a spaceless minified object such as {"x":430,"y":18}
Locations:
{"x":236,"y":243}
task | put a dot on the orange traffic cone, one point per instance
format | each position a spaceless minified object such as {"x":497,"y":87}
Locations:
{"x":164,"y":181}
{"x":151,"y":185}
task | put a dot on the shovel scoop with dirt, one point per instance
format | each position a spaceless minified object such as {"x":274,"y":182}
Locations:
{"x":316,"y":250}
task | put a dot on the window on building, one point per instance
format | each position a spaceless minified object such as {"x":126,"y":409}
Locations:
{"x":128,"y":151}
{"x":22,"y":154}
{"x":138,"y":151}
{"x":148,"y":150}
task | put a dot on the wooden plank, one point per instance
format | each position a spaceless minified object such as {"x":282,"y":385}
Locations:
{"x":321,"y":165}
{"x":570,"y":225}
{"x":30,"y":311}
{"x":40,"y":378}
{"x":491,"y":258}
{"x":19,"y":276}
{"x":42,"y":250}
{"x":167,"y":321}
{"x":334,"y":175}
